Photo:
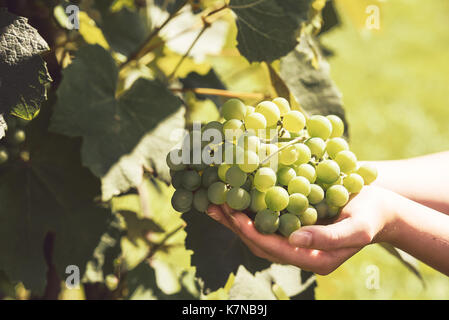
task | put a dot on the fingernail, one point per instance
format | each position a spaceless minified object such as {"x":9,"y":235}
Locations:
{"x":301,"y":239}
{"x":213,"y":215}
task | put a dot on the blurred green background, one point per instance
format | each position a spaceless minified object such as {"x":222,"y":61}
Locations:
{"x":395,"y":84}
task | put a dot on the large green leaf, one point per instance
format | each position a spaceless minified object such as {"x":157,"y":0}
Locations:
{"x":306,"y":74}
{"x":48,"y":193}
{"x":124,"y":39}
{"x":217,"y":251}
{"x":267,"y":29}
{"x":250,"y":287}
{"x":142,"y":285}
{"x":120,"y":135}
{"x":23,"y":73}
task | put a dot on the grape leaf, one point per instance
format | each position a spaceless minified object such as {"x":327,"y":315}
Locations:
{"x":306,"y":74}
{"x":217,"y":251}
{"x":209,"y":80}
{"x":51,"y":192}
{"x":142,"y":285}
{"x":124,"y":40}
{"x":249,"y":287}
{"x":267,"y":29}
{"x":23,"y":73}
{"x":107,"y":250}
{"x":129,"y":132}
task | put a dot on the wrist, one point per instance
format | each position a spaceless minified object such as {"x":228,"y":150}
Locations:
{"x":391,"y":216}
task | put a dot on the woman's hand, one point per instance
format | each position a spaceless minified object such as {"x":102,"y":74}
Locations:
{"x":366,"y":219}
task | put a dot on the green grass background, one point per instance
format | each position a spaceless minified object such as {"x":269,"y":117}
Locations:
{"x":395,"y":85}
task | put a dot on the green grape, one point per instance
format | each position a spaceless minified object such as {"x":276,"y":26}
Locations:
{"x":337,"y":196}
{"x":267,"y":221}
{"x":249,"y":143}
{"x":249,"y":110}
{"x":176,"y":178}
{"x":319,"y":126}
{"x":297,"y":203}
{"x":353,"y":183}
{"x":235,"y":176}
{"x":233,"y":129}
{"x":257,"y":200}
{"x":317,"y":146}
{"x":368,"y":172}
{"x":238,"y":199}
{"x":4,"y":155}
{"x":304,"y":154}
{"x":210,"y":175}
{"x":328,"y":171}
{"x":288,"y":223}
{"x":322,"y":210}
{"x":288,"y":155}
{"x":172,"y":158}
{"x":198,"y":166}
{"x":283,"y":105}
{"x":255,"y":121}
{"x":222,"y":169}
{"x":217,"y":193}
{"x":250,"y":162}
{"x":338,"y":127}
{"x":231,"y":153}
{"x":213,"y":125}
{"x":284,"y":175}
{"x":200,"y":200}
{"x":308,"y":217}
{"x":307,"y":171}
{"x":335,"y":145}
{"x":233,"y":109}
{"x":182,"y":200}
{"x":333,"y":211}
{"x":294,"y":121}
{"x":347,"y":161}
{"x":316,"y":194}
{"x":299,"y":185}
{"x":264,"y":179}
{"x":191,"y":180}
{"x":276,"y":198}
{"x":270,"y":111}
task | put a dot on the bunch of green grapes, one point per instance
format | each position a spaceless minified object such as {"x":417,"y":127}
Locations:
{"x":271,"y":162}
{"x":10,"y":146}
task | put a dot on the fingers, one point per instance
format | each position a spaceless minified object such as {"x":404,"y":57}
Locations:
{"x":278,"y":249}
{"x":347,"y":233}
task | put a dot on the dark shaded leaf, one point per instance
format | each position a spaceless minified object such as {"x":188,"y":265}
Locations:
{"x":23,"y":73}
{"x":124,"y":30}
{"x":138,"y":125}
{"x":267,"y":29}
{"x":307,"y":76}
{"x":217,"y":251}
{"x":209,"y":80}
{"x":52,"y":192}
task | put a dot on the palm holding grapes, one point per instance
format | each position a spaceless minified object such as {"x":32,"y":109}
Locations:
{"x":272,"y":163}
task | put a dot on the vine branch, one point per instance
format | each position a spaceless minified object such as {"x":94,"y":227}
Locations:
{"x":222,"y":93}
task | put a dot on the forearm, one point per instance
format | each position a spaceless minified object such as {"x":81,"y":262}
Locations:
{"x":422,"y":179}
{"x":421,"y":232}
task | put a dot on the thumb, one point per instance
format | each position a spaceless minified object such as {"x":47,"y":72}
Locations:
{"x":346,"y":233}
